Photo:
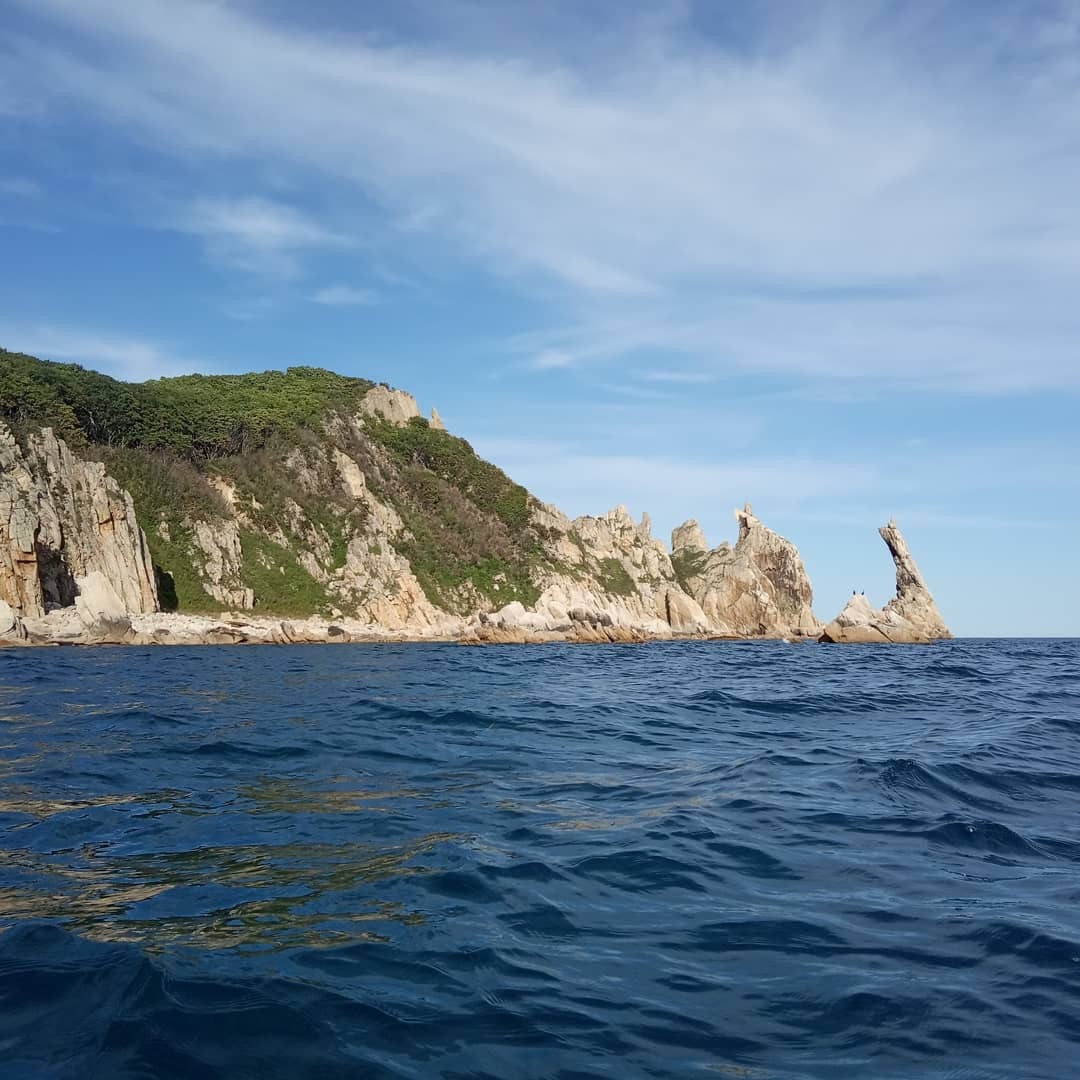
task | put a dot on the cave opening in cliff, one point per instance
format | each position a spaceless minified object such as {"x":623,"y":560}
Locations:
{"x":57,"y":582}
{"x":166,"y":587}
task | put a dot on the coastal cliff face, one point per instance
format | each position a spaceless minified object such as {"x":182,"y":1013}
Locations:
{"x":301,"y":505}
{"x":72,"y":557}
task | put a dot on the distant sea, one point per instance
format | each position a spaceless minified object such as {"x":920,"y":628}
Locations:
{"x":751,"y":860}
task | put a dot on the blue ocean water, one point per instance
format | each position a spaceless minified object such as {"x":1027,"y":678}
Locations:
{"x":673,"y":860}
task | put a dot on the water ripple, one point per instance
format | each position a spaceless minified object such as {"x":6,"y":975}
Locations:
{"x":744,"y":859}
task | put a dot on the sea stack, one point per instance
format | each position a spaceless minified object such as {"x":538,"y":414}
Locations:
{"x":911,"y":617}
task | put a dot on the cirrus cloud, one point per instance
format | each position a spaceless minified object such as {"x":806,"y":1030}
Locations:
{"x":882,"y":193}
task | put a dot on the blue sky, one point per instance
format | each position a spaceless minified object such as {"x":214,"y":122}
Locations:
{"x":673,"y":255}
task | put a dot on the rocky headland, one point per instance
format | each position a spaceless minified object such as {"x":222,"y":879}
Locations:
{"x":302,"y":506}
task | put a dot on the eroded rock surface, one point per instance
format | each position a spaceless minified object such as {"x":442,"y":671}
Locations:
{"x":397,"y":406}
{"x":69,"y":541}
{"x":911,"y":617}
{"x":220,"y":560}
{"x":613,"y":567}
{"x":758,"y":588}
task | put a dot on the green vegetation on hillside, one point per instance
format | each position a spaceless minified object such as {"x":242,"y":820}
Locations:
{"x":687,"y":565}
{"x":615,"y":578}
{"x":467,"y":522}
{"x":454,"y":460}
{"x":197,"y":417}
{"x":166,"y":492}
{"x":467,"y":531}
{"x":282,"y":585}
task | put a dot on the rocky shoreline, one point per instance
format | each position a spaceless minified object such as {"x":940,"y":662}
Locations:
{"x":167,"y":629}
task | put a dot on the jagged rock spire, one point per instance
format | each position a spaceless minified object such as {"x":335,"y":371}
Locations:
{"x":911,"y":616}
{"x":689,"y":536}
{"x":913,"y":601}
{"x":759,"y":587}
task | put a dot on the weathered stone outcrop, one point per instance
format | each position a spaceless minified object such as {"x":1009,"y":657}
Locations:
{"x":913,"y":601}
{"x":758,"y":588}
{"x":689,"y":538}
{"x":217,"y":544}
{"x":12,"y":631}
{"x":911,"y":617}
{"x":397,"y":406}
{"x":69,"y":542}
{"x":376,"y":582}
{"x":618,"y":582}
{"x":612,"y":567}
{"x":98,"y":617}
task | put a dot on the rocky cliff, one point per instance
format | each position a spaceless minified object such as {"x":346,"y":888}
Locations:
{"x":73,"y":560}
{"x":302,"y":505}
{"x":911,"y":617}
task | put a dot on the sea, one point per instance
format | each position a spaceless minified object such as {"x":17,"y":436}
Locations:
{"x":688,"y":859}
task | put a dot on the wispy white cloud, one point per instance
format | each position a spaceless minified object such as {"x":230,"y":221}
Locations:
{"x":547,"y":359}
{"x":872,"y":193}
{"x":256,"y":234}
{"x":131,"y":359}
{"x":344,"y":296}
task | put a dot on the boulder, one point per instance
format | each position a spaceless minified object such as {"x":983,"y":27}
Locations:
{"x":11,"y":628}
{"x":683,"y":613}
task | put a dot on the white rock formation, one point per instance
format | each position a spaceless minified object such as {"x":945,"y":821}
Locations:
{"x":911,"y":617}
{"x":11,"y":627}
{"x":913,"y":602}
{"x":688,"y":537}
{"x":66,"y":526}
{"x":758,"y":588}
{"x":352,"y":478}
{"x":75,"y":567}
{"x":397,"y":406}
{"x":222,"y":561}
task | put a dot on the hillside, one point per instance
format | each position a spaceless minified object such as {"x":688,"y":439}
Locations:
{"x":237,"y":483}
{"x":303,"y":494}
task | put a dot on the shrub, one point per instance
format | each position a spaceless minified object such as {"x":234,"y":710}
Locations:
{"x":615,"y":579}
{"x":195,"y":416}
{"x":166,"y":491}
{"x":282,"y":586}
{"x":687,"y":565}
